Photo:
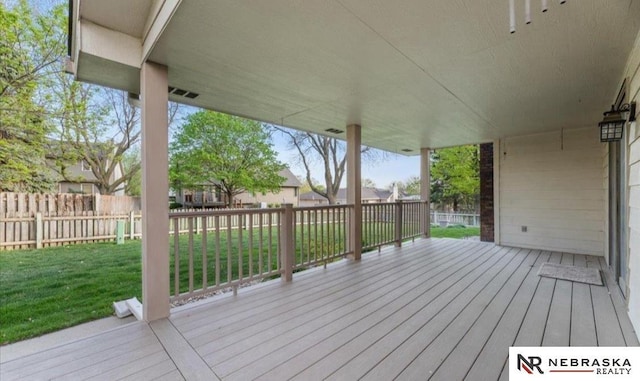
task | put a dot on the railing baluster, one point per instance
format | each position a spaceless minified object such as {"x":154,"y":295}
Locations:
{"x":205,"y":264}
{"x":176,"y":257}
{"x":217,"y":233}
{"x":250,"y":245}
{"x":301,"y":237}
{"x":260,"y":237}
{"x":190,"y":229}
{"x":229,"y":251}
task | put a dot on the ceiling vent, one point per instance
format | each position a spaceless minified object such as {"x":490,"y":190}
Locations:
{"x":182,"y":93}
{"x":334,"y":130}
{"x":406,"y":150}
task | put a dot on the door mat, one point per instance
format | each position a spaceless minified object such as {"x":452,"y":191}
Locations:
{"x":572,"y":273}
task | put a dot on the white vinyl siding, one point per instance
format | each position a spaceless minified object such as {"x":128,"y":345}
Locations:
{"x":632,"y":73}
{"x":551,"y":183}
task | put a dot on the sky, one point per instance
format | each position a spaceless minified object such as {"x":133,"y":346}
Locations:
{"x":383,"y":173}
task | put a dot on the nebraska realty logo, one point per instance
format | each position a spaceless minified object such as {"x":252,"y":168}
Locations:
{"x":574,"y":363}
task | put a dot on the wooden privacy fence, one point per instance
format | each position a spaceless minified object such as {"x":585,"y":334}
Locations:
{"x":51,"y":229}
{"x":28,"y":204}
{"x":32,"y":220}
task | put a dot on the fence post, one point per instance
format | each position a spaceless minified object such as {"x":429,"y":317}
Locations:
{"x":39,"y":230}
{"x":132,"y":225}
{"x":97,"y":208}
{"x":398,"y":236}
{"x":287,"y":244}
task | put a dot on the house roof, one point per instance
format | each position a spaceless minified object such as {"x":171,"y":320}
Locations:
{"x":367,"y":194}
{"x":291,"y":179}
{"x":416,"y":74}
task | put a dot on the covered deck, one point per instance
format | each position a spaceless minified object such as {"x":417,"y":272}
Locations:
{"x":435,"y":308}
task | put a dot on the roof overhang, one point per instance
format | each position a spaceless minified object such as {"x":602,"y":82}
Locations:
{"x":412,"y":74}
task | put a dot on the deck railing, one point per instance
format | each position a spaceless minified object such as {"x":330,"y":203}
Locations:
{"x":392,"y":222}
{"x":214,"y":250}
{"x":220,"y":249}
{"x":320,"y":234}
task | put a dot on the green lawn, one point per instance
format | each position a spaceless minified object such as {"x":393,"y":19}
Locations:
{"x":454,"y":231}
{"x":49,"y":289}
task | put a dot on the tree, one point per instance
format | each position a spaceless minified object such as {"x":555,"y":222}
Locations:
{"x":455,"y":178}
{"x":368,"y":183}
{"x":30,"y":49}
{"x":131,"y":164}
{"x":98,"y":126}
{"x":232,"y":153}
{"x":411,"y":186}
{"x":330,"y":152}
{"x":306,"y":186}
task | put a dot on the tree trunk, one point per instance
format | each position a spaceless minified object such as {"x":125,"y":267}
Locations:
{"x":229,"y":199}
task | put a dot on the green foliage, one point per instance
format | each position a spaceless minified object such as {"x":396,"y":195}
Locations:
{"x":455,"y":176}
{"x":230,"y":152}
{"x":131,"y":165}
{"x":30,"y":48}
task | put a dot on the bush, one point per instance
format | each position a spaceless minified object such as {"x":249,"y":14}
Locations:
{"x":457,"y":226}
{"x":175,"y":205}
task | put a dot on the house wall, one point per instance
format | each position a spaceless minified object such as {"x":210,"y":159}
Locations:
{"x":285,"y":196}
{"x":632,"y":73}
{"x":551,"y":183}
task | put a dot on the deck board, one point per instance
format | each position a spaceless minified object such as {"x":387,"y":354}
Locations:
{"x":494,"y":352}
{"x":435,"y":308}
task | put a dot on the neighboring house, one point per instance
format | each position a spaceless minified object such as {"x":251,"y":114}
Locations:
{"x":289,"y":192}
{"x":79,"y":177}
{"x":82,"y":171}
{"x":369,"y":196}
{"x":211,"y":196}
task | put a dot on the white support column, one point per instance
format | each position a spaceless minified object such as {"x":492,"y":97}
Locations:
{"x":425,"y":187}
{"x":155,"y":191}
{"x":354,"y":188}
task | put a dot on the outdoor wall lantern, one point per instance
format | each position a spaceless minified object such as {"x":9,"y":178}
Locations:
{"x":612,"y":125}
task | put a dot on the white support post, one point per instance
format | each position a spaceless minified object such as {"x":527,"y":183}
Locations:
{"x":354,"y":189}
{"x":155,"y":192}
{"x":425,"y":189}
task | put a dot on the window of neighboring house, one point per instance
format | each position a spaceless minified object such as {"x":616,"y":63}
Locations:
{"x":85,"y":166}
{"x":86,"y":188}
{"x":295,"y":192}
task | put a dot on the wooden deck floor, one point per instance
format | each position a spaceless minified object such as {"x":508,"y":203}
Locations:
{"x":439,"y":309}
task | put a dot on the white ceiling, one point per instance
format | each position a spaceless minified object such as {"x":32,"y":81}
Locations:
{"x":413,"y":73}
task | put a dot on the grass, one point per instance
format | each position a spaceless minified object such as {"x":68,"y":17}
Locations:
{"x":54,"y":288}
{"x":50,"y":289}
{"x":455,"y":232}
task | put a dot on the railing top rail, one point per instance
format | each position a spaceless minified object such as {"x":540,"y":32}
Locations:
{"x":324,"y":207}
{"x":225,"y":212}
{"x":403,"y":202}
